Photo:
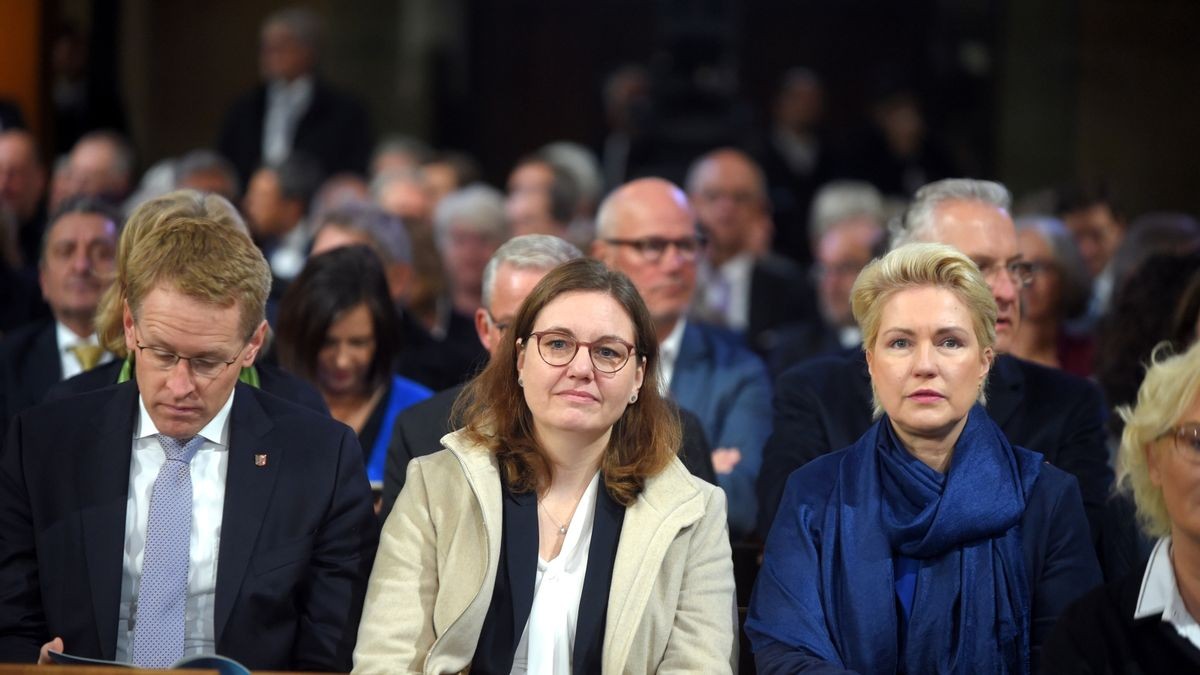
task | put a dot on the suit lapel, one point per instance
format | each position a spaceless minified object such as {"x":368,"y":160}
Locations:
{"x":597,"y":583}
{"x":520,"y":549}
{"x":760,"y":300}
{"x":42,"y":367}
{"x":248,"y":487}
{"x":103,"y":483}
{"x":687,"y":381}
{"x":1005,"y":389}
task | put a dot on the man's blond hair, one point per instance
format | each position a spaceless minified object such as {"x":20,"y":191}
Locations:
{"x":204,"y":260}
{"x":147,"y":217}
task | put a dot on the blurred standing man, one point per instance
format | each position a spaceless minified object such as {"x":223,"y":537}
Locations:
{"x":742,"y":286}
{"x":76,"y":267}
{"x":647,"y":230}
{"x":293,"y":110}
{"x":183,"y":512}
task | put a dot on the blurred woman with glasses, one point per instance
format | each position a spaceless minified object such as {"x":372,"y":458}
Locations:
{"x":557,"y":532}
{"x":1058,"y":291}
{"x":1147,"y":622}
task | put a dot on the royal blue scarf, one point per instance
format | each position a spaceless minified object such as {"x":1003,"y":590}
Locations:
{"x":971,"y":607}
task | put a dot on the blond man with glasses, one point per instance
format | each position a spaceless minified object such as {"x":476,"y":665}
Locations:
{"x":184,"y":513}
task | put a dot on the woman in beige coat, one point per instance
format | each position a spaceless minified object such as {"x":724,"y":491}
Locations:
{"x":557,"y":532}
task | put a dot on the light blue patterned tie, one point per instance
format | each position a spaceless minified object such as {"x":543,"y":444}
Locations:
{"x":162,"y":599}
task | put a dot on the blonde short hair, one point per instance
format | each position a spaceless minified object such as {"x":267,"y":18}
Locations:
{"x":918,"y":265}
{"x":204,"y":260}
{"x":148,"y":216}
{"x":1170,"y":386}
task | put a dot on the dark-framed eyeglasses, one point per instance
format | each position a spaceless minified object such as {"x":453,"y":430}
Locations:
{"x":651,"y":249}
{"x":1186,"y":438}
{"x":502,"y":327}
{"x":1020,"y":272}
{"x":201,"y":366}
{"x":558,"y":349}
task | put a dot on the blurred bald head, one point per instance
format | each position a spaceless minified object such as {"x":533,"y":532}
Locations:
{"x":100,"y":165}
{"x":647,"y":230}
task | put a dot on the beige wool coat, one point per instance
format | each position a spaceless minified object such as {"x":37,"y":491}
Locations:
{"x":671,"y":605}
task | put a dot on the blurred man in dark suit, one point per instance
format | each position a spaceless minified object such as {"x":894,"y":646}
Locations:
{"x":741,"y":285}
{"x":76,"y":268}
{"x":825,"y":404}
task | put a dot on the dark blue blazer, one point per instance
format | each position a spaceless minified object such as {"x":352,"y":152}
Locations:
{"x":298,"y":534}
{"x":1060,"y":564}
{"x":824,"y":404}
{"x":29,"y":366}
{"x":726,"y":386}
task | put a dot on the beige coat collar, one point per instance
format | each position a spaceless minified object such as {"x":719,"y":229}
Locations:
{"x":669,"y":503}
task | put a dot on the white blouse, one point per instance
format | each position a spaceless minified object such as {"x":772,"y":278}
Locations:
{"x":1159,"y":595}
{"x":549,"y":634}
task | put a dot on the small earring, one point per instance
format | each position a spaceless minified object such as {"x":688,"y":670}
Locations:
{"x":520,"y":382}
{"x":633,"y":399}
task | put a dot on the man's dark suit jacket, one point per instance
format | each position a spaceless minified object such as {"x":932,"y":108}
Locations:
{"x":800,"y":342}
{"x":29,"y":366}
{"x":298,"y":534}
{"x":780,"y":295}
{"x":271,"y":379}
{"x":419,"y":430}
{"x":825,"y":405}
{"x":333,"y":131}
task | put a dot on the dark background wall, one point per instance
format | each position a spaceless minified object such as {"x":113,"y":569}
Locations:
{"x":1030,"y":92}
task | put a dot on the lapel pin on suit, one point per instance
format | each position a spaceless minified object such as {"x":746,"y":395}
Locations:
{"x":260,"y":460}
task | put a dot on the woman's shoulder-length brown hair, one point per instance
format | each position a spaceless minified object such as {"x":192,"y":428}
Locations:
{"x":644,"y":439}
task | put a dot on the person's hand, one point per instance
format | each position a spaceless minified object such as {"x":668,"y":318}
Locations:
{"x":55,"y":645}
{"x":724,"y":459}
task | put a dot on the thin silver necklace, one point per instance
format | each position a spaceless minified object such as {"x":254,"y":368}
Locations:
{"x":562,"y":529}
